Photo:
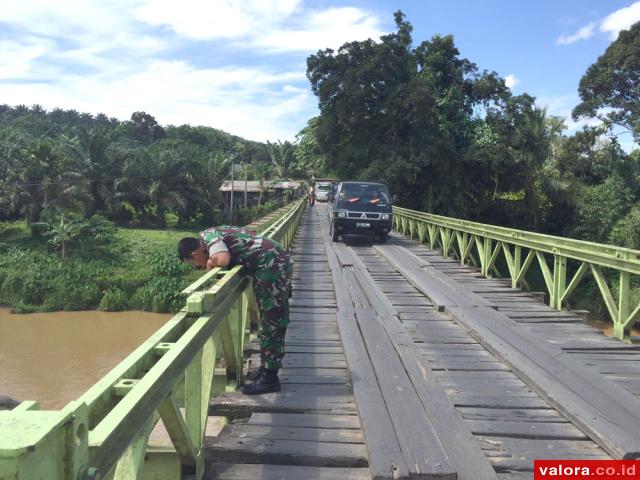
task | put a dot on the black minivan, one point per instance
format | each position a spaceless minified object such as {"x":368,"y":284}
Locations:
{"x":361,"y":208}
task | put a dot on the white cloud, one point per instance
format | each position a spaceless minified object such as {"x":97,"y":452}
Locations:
{"x":612,"y":24}
{"x":621,"y":20}
{"x":582,"y":34}
{"x":245,"y":101}
{"x":121,"y":56}
{"x":322,"y":29}
{"x":511,"y":80}
{"x":211,"y":19}
{"x":16,"y":58}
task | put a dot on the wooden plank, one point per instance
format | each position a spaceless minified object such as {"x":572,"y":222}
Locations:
{"x":300,"y":434}
{"x":385,"y":456}
{"x":448,"y":427}
{"x":418,"y":439}
{"x":237,"y":404}
{"x":603,"y":410}
{"x":284,"y":452}
{"x":512,"y":414}
{"x":508,"y":454}
{"x":292,"y":378}
{"x":305,"y":420}
{"x":227,"y":471}
{"x":328,"y":360}
{"x":529,"y":430}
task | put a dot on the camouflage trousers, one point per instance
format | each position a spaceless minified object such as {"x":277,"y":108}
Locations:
{"x":272,"y":284}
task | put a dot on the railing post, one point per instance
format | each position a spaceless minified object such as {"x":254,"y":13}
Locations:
{"x":559,"y":281}
{"x":517,"y":263}
{"x":422,"y":231}
{"x":486,"y":263}
{"x":620,"y":330}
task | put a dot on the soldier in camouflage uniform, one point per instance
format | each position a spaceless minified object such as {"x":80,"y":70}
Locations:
{"x":270,"y":266}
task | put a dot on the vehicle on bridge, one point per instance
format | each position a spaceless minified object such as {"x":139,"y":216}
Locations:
{"x":322,"y":191}
{"x":361,"y":208}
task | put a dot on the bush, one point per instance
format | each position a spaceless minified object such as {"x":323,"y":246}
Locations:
{"x":73,"y":297}
{"x":601,"y":207}
{"x":165,"y":262}
{"x":23,"y":287}
{"x":626,"y":232}
{"x":114,"y":300}
{"x":159,"y":295}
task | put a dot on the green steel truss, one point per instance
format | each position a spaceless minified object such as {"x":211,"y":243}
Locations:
{"x":171,"y":377}
{"x":482,"y":244}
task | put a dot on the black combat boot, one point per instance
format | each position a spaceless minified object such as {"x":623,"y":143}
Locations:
{"x":254,"y":373}
{"x":267,"y":382}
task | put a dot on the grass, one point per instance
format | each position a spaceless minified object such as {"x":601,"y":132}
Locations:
{"x":138,"y":270}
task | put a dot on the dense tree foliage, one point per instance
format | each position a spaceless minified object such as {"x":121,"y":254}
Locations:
{"x":452,"y":139}
{"x":133,"y":171}
{"x":610,"y":90}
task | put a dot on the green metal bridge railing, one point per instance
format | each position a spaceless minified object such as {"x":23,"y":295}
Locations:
{"x":171,"y":376}
{"x":488,"y":242}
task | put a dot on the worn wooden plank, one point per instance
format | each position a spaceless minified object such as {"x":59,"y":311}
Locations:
{"x":384,"y":452}
{"x":605,"y":411}
{"x":301,"y":434}
{"x":236,"y":404}
{"x":418,"y":439}
{"x":227,"y":471}
{"x":230,"y":449}
{"x":454,"y":436}
{"x":512,"y":414}
{"x":518,"y":454}
{"x":305,"y":420}
{"x":529,"y":430}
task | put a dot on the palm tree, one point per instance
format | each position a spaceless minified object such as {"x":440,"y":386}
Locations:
{"x":534,"y":138}
{"x":172,"y":182}
{"x":282,"y":157}
{"x":261,"y":170}
{"x":93,"y":158}
{"x":38,"y":109}
{"x":212,"y":172}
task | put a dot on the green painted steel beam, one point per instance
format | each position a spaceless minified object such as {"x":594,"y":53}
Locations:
{"x":603,"y":255}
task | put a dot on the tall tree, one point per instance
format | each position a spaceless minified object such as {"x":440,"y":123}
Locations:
{"x":282,"y":155}
{"x":402,"y":114}
{"x":94,"y":161}
{"x":610,"y":89}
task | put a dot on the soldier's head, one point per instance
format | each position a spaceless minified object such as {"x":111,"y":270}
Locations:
{"x":192,"y":251}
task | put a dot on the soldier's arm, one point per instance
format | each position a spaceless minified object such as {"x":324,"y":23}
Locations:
{"x":221,"y":259}
{"x":219,"y":255}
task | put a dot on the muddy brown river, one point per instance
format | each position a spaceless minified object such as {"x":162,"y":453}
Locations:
{"x":55,"y":357}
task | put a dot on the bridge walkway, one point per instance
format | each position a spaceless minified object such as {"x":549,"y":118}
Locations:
{"x":429,"y":371}
{"x":310,"y":429}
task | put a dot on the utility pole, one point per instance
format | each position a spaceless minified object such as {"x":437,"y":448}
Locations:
{"x":231,"y":203}
{"x":245,"y":184}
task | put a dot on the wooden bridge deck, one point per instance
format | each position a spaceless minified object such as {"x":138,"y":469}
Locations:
{"x":400,"y":363}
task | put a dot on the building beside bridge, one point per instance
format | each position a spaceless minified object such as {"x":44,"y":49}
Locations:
{"x":272,"y":190}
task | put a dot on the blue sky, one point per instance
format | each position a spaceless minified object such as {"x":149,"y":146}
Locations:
{"x":240,"y":66}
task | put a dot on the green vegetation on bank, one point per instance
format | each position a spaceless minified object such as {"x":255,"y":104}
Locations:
{"x":105,"y":267}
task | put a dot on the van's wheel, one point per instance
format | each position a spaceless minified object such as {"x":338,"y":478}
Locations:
{"x":382,"y":238}
{"x":334,"y":234}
